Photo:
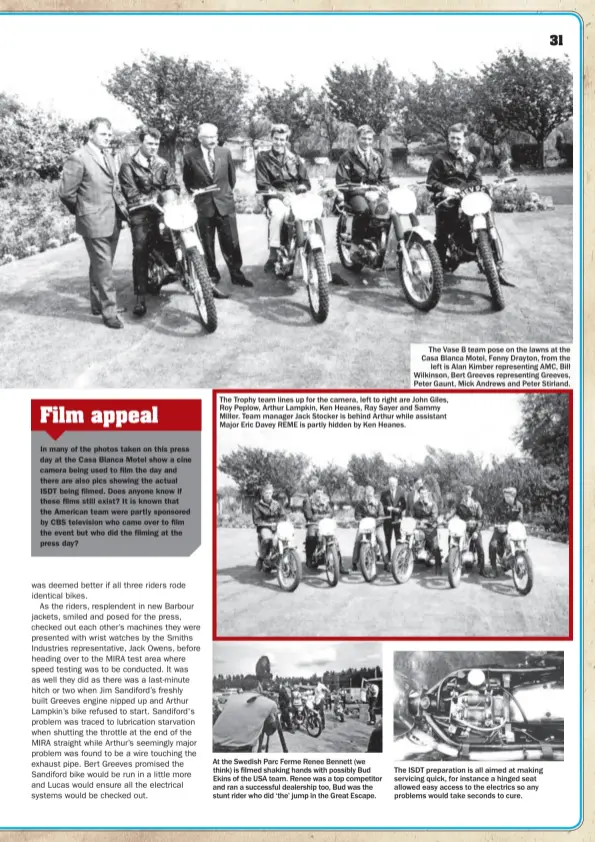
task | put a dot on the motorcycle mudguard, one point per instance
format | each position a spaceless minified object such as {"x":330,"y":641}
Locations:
{"x":191,"y":240}
{"x":315,"y":242}
{"x":421,"y":232}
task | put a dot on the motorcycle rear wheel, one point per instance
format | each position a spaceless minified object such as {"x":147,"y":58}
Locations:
{"x":318,"y":294}
{"x":289,"y":571}
{"x":401,"y":564}
{"x":200,"y":287}
{"x":313,"y":725}
{"x":454,"y":567}
{"x":333,"y":571}
{"x":342,"y":249}
{"x":422,"y":295}
{"x":484,"y":248}
{"x":367,"y":562}
{"x":522,"y":573}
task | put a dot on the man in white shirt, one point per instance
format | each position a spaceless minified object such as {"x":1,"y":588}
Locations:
{"x":320,"y":693}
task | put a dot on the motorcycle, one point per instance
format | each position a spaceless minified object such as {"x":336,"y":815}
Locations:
{"x":313,"y":719}
{"x":476,"y":237}
{"x":179,"y":255}
{"x":327,"y":549}
{"x":484,"y":713}
{"x":302,"y":245}
{"x":284,"y":559}
{"x":369,"y":551}
{"x":339,"y":710}
{"x":516,"y":556}
{"x":461,"y":549}
{"x":409,"y":549}
{"x":393,"y":229}
{"x":299,"y":712}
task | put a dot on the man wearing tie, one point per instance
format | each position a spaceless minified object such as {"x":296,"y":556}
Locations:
{"x":209,"y":165}
{"x":395,"y":505}
{"x":90,"y":189}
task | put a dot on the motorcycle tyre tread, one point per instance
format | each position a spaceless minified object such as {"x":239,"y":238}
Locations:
{"x":364,"y":550}
{"x":454,"y":580}
{"x":529,"y":564}
{"x":491,"y":272}
{"x":298,"y":573}
{"x":202,"y":276}
{"x":332,"y":551}
{"x":322,"y":271}
{"x":437,"y":274}
{"x":398,"y":577}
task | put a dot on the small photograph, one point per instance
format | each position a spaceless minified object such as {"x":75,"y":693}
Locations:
{"x":486,"y":706}
{"x":448,"y":528}
{"x":304,"y":698}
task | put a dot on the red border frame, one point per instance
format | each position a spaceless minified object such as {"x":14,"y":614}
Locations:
{"x":569,"y":392}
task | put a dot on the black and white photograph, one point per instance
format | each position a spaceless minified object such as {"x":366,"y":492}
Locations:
{"x":457,"y":527}
{"x":178,"y":209}
{"x":303,"y":698}
{"x":478,"y":706}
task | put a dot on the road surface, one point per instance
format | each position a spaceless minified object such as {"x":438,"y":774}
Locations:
{"x":349,"y":736}
{"x":251,"y":604}
{"x":266,"y":337}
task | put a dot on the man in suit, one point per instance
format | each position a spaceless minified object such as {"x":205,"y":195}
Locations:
{"x":90,"y":189}
{"x":209,"y":165}
{"x":395,"y":505}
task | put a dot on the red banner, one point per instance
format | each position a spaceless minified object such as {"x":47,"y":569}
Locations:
{"x":57,"y":416}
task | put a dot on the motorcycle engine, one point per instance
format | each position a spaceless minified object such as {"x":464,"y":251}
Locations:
{"x":479,"y":706}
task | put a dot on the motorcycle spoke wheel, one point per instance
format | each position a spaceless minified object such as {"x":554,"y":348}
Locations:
{"x":332,"y":566}
{"x":423,"y":287}
{"x":289,"y":571}
{"x":488,"y":264}
{"x":317,"y":282}
{"x":522,"y":573}
{"x":454,"y":567}
{"x":200,"y":287}
{"x":402,"y":564}
{"x":367,"y":562}
{"x":314,"y":725}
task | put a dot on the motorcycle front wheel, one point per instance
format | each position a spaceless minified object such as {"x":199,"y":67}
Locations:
{"x":344,"y":247}
{"x":522,"y":573}
{"x":401,"y":564}
{"x":318,"y":281}
{"x":484,"y":247}
{"x":299,"y":719}
{"x":200,"y":287}
{"x":454,"y":567}
{"x":313,"y":725}
{"x":423,"y":287}
{"x":289,"y":572}
{"x":367,"y":562}
{"x":333,"y":571}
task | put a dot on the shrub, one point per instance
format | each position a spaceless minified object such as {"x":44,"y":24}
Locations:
{"x":512,"y":197}
{"x":32,"y":219}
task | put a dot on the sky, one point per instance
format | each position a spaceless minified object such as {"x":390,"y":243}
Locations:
{"x":482,"y":423}
{"x":62,"y":61}
{"x":294,"y":659}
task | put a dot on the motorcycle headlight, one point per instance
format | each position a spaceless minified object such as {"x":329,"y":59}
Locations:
{"x":457,"y":527}
{"x":407,"y":525}
{"x":306,"y":207}
{"x":327,"y":527}
{"x":474,"y":203}
{"x":180,"y":215}
{"x":517,"y":531}
{"x":402,"y":201}
{"x":367,"y":524}
{"x":285,"y":530}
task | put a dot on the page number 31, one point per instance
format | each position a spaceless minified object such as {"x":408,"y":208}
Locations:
{"x":556,"y":40}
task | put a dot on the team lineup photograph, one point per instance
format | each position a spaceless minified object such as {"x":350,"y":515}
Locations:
{"x":203,"y":198}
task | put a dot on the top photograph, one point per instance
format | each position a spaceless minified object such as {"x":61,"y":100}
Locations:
{"x":283,"y":200}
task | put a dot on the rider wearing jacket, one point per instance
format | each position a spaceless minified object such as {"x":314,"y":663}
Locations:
{"x":266,"y":514}
{"x":469,"y":510}
{"x":451,"y":169}
{"x":315,"y":507}
{"x":361,"y":165}
{"x":144,"y":177}
{"x":280,"y":170}
{"x":370,"y":507}
{"x":508,"y":509}
{"x":425,"y":510}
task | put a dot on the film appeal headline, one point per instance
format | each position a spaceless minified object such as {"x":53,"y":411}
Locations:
{"x":55,"y":418}
{"x":491,"y":366}
{"x":301,"y":411}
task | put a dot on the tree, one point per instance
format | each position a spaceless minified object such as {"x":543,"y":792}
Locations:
{"x":251,"y":467}
{"x":330,"y":126}
{"x":370,"y":470}
{"x":409,"y":127}
{"x":176,"y":95}
{"x":525,"y":94}
{"x":433,"y":106}
{"x":543,"y":431}
{"x":332,"y":479}
{"x":292,"y":105}
{"x":363,"y":95}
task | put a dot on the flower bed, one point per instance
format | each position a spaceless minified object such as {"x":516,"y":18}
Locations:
{"x":32,"y":220}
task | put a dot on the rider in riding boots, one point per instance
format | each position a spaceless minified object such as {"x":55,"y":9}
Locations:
{"x":315,"y":507}
{"x":469,"y":509}
{"x":508,"y":509}
{"x":451,"y":169}
{"x":266,"y":511}
{"x":426,"y":511}
{"x":361,"y":165}
{"x":144,"y":177}
{"x":370,"y":507}
{"x":281,"y":170}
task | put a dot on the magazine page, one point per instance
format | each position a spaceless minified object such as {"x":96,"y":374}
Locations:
{"x":292,"y":421}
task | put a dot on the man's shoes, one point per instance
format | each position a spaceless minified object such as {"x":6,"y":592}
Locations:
{"x":242,"y":281}
{"x":215,"y":280}
{"x":140,"y":308}
{"x":113,"y":322}
{"x":269,"y":266}
{"x":218,"y":294}
{"x":97,"y":312}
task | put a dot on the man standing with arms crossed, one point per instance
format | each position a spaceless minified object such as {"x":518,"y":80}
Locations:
{"x":90,"y":189}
